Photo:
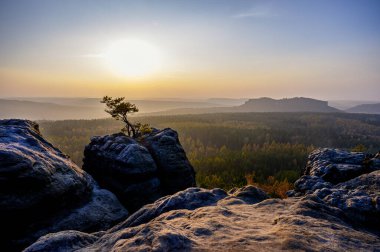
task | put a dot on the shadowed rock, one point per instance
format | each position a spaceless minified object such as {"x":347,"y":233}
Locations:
{"x":175,"y":170}
{"x":43,"y":191}
{"x":335,"y":165}
{"x":349,"y":181}
{"x":200,"y":220}
{"x":122,"y":165}
{"x":139,"y":172}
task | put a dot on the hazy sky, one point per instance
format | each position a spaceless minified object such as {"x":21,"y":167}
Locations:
{"x":323,"y":49}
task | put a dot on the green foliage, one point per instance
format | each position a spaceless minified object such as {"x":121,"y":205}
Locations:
{"x":119,"y":109}
{"x":225,"y":148}
{"x":229,"y":167}
{"x":142,"y":129}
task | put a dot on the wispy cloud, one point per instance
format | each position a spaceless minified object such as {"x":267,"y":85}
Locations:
{"x":257,"y":12}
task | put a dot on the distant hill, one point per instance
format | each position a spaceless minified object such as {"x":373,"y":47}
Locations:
{"x":297,"y":104}
{"x":227,"y":101}
{"x":51,"y":108}
{"x":47,"y":111}
{"x":346,"y":104}
{"x":365,"y":108}
{"x":58,"y":108}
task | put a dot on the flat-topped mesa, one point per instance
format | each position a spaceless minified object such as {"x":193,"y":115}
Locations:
{"x":43,"y":191}
{"x":139,"y":171}
{"x":296,"y":104}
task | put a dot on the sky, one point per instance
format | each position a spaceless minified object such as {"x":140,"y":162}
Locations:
{"x":325,"y":49}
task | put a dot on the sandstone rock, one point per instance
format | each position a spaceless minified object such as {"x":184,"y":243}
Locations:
{"x":122,"y":165}
{"x":175,"y":170}
{"x":139,"y":172}
{"x":190,"y":198}
{"x":335,"y":165}
{"x":245,"y":195}
{"x":197,"y":220}
{"x":349,"y":181}
{"x":42,"y":190}
{"x":336,"y":209}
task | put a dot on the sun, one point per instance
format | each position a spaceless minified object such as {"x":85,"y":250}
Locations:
{"x":133,"y":58}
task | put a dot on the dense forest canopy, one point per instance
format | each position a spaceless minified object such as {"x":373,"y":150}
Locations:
{"x":231,"y":149}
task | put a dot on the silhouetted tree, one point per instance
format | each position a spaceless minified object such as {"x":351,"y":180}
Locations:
{"x":119,"y":109}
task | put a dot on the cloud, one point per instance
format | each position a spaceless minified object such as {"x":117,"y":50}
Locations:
{"x":257,"y":12}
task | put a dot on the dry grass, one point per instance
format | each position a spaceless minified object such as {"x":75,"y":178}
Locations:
{"x":275,"y":188}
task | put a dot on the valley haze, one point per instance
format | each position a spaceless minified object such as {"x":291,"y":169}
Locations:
{"x":63,"y":108}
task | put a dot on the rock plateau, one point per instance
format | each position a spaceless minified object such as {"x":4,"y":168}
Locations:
{"x":334,"y":207}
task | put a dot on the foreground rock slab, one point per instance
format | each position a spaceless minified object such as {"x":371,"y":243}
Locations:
{"x":139,"y":171}
{"x":43,"y":191}
{"x":212,"y":220}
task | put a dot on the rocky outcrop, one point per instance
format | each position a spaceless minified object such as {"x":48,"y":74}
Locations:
{"x":335,"y":205}
{"x":174,"y":169}
{"x":349,"y":181}
{"x":43,"y":191}
{"x":212,"y":220}
{"x":122,"y":165}
{"x":337,"y":212}
{"x":139,"y":171}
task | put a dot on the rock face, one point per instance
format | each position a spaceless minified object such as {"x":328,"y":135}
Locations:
{"x":349,"y":181}
{"x":338,"y":212}
{"x":174,"y":169}
{"x":43,"y":191}
{"x":139,"y":172}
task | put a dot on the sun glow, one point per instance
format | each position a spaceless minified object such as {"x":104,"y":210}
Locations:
{"x":133,"y":58}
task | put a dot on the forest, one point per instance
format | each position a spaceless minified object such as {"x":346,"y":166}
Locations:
{"x":232,"y":149}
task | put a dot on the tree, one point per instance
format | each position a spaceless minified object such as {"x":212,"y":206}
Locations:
{"x":119,"y":109}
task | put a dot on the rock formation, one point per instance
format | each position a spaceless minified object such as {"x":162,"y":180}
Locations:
{"x":43,"y":191}
{"x":296,"y":104}
{"x":139,"y":171}
{"x":337,"y":212}
{"x":174,"y":169}
{"x":335,"y":205}
{"x":349,"y":181}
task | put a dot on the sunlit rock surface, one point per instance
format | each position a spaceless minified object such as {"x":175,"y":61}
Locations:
{"x":139,"y":171}
{"x":212,"y":220}
{"x":43,"y":191}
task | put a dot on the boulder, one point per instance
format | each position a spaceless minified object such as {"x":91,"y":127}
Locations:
{"x":139,"y":171}
{"x":125,"y":167}
{"x":335,"y":165}
{"x":212,"y":220}
{"x":349,"y":181}
{"x":43,"y":191}
{"x":174,"y":169}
